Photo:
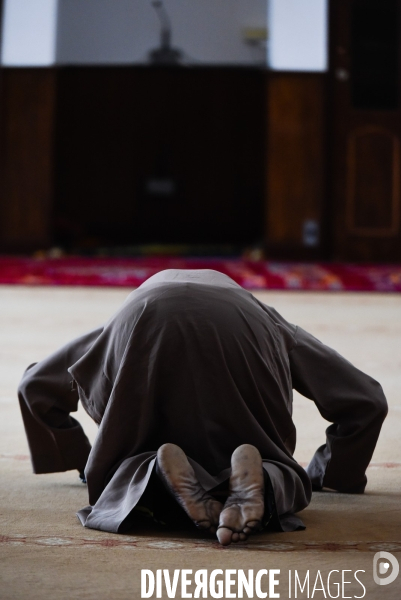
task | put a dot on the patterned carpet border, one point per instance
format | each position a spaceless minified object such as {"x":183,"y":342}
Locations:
{"x":177,"y":544}
{"x":373,"y":465}
{"x":253,"y":275}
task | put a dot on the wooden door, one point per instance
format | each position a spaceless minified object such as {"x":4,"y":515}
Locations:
{"x":365,"y":129}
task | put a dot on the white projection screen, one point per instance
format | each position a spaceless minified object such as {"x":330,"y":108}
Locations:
{"x":298,"y":35}
{"x":29,"y":32}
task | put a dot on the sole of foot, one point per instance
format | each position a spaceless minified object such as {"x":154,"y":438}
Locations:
{"x":244,"y":508}
{"x":179,"y":478}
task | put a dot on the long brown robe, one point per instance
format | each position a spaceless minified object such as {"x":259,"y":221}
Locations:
{"x":193,"y":359}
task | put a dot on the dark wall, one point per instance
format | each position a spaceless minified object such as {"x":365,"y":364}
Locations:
{"x":126,"y":156}
{"x":159,"y":155}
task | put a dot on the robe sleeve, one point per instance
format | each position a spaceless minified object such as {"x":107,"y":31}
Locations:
{"x":353,"y":402}
{"x":47,"y":396}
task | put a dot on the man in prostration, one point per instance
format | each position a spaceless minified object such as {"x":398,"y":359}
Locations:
{"x":191,"y":385}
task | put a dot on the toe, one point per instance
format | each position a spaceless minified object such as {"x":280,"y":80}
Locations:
{"x":235,"y":537}
{"x":243,"y":536}
{"x":224,"y":536}
{"x":203,"y":524}
{"x":253,"y":526}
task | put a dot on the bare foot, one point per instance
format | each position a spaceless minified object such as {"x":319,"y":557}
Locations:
{"x":243,"y":511}
{"x":180,"y":479}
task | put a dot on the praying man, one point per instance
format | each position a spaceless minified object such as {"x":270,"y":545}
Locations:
{"x":191,"y":384}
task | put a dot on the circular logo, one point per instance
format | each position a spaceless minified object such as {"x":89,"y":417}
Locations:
{"x":382,"y":568}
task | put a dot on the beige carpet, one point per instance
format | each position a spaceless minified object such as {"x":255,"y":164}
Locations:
{"x":44,"y":551}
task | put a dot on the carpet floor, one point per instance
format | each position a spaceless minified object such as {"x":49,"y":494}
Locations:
{"x":45,"y":552}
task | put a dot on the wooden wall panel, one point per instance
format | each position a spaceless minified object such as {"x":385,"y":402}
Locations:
{"x":365,"y":130}
{"x":26,"y":139}
{"x":373,"y":173}
{"x":295,"y":162}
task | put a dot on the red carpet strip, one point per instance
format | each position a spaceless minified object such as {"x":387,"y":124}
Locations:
{"x":253,"y":275}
